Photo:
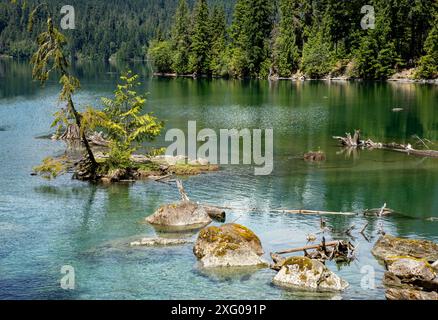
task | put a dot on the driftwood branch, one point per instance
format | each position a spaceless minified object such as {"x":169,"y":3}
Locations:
{"x":355,"y":142}
{"x":314,"y":212}
{"x":181,"y":190}
{"x":317,"y":246}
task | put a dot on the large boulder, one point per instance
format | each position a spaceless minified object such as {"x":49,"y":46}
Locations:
{"x":183,"y":214}
{"x":308,"y":274}
{"x":231,"y":245}
{"x":407,"y":273}
{"x":388,"y":246}
{"x":410,"y":269}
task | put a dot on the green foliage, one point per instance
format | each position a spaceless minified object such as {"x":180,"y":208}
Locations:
{"x":219,"y":51}
{"x":181,"y":41}
{"x":250,"y":33}
{"x":51,"y":168}
{"x":124,"y":121}
{"x":199,"y":61}
{"x":428,"y":64}
{"x":160,"y":55}
{"x":317,"y":58}
{"x":261,"y":32}
{"x":286,"y":53}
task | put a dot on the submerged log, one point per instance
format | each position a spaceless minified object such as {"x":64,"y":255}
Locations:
{"x":313,"y":212}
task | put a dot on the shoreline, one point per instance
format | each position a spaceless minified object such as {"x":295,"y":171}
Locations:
{"x":301,"y":79}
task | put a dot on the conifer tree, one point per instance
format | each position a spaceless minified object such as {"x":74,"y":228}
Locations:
{"x":219,"y":52}
{"x":181,"y":38}
{"x":250,"y":31}
{"x":200,"y":41}
{"x":286,"y":54}
{"x":428,"y":65}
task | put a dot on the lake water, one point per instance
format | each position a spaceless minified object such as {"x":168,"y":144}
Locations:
{"x":47,"y":224}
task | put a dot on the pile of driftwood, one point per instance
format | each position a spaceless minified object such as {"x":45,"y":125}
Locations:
{"x":353,"y":142}
{"x":340,"y":251}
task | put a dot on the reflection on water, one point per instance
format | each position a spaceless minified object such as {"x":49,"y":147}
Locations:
{"x":47,"y":224}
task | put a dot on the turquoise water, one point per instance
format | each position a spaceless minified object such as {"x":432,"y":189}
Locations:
{"x":47,"y":224}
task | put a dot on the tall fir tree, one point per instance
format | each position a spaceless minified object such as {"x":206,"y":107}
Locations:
{"x":250,"y":31}
{"x":428,"y":64}
{"x":200,"y":41}
{"x":286,"y":53}
{"x":181,"y":38}
{"x":219,"y":50}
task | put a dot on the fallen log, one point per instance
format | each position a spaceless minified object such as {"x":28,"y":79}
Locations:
{"x":317,"y":246}
{"x":313,"y":212}
{"x":355,"y":142}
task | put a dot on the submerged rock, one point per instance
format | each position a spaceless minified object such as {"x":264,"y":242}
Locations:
{"x":230,"y":245}
{"x":313,"y":156}
{"x":182,"y":214}
{"x":410,"y":294}
{"x":152,"y":242}
{"x":308,"y":274}
{"x":388,"y":246}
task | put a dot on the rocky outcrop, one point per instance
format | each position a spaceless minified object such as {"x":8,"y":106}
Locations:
{"x":308,"y":274}
{"x":157,"y":242}
{"x":410,"y":294}
{"x":231,"y":245}
{"x":410,"y":278}
{"x":388,"y":246}
{"x":181,"y":214}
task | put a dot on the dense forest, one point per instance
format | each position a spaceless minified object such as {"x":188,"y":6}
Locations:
{"x":312,"y":38}
{"x":247,"y":38}
{"x":104,"y":28}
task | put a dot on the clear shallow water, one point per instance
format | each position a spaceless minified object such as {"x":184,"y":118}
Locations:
{"x":47,"y":224}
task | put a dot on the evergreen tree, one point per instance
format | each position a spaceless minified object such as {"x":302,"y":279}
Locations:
{"x":219,"y":51}
{"x":200,"y":41}
{"x":181,"y":38}
{"x":317,"y":60}
{"x":428,"y":65}
{"x":286,"y":53}
{"x":250,"y":31}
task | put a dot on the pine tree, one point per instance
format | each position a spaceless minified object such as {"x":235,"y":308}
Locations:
{"x":286,"y":53}
{"x":317,"y":60}
{"x":181,"y":38}
{"x":200,"y":41}
{"x":219,"y":52}
{"x":428,"y":64}
{"x":250,"y":31}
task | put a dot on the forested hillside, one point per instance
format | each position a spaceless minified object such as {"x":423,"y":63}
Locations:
{"x":103,"y":27}
{"x":246,"y":38}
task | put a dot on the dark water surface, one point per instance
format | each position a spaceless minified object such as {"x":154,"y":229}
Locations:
{"x":47,"y":224}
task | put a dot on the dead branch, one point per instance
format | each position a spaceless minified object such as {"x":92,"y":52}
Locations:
{"x":317,"y":246}
{"x":355,"y":142}
{"x":313,"y":212}
{"x":181,"y":190}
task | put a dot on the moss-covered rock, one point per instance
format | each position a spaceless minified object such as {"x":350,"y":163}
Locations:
{"x":388,"y":246}
{"x":308,"y":274}
{"x":227,"y":246}
{"x":411,"y":269}
{"x":182,"y":214}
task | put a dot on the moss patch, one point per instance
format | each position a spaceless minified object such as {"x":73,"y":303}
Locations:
{"x":303,"y":263}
